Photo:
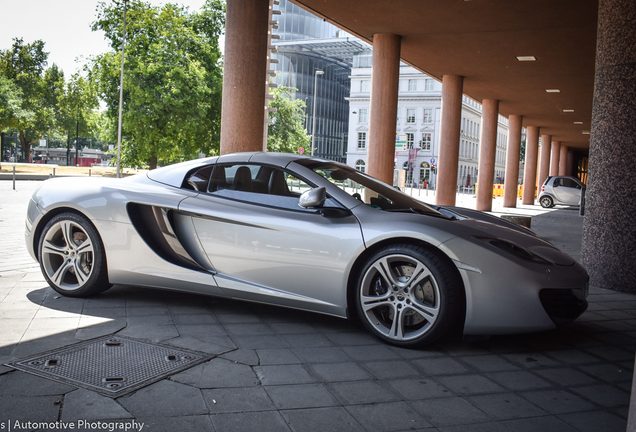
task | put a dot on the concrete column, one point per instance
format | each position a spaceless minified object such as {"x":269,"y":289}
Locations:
{"x":544,"y":160}
{"x":609,"y":228}
{"x":244,"y":75}
{"x":530,"y":165}
{"x":450,"y":123}
{"x":383,"y":110}
{"x":563,"y":160}
{"x":569,"y":164}
{"x":554,"y":158}
{"x":487,"y":153}
{"x":512,"y":161}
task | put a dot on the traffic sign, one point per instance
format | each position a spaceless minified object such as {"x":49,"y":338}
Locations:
{"x":301,"y":150}
{"x":432,"y":160}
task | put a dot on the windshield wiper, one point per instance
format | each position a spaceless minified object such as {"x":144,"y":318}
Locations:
{"x":420,"y":212}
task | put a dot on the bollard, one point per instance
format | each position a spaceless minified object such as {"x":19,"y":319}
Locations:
{"x":53,"y":171}
{"x":13,"y":177}
{"x":89,"y":172}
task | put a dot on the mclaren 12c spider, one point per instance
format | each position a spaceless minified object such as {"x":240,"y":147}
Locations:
{"x":304,"y":233}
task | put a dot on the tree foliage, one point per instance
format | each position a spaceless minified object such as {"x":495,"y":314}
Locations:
{"x":11,"y":111}
{"x":287,"y":134}
{"x":24,"y":65}
{"x":172,"y":78}
{"x":77,"y":105}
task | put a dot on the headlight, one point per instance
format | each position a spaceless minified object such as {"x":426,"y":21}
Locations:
{"x":514,"y":249}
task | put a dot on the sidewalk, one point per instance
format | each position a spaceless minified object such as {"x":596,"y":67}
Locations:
{"x":282,"y":370}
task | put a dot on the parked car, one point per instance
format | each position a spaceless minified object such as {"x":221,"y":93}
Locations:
{"x":561,"y":190}
{"x":305,"y":233}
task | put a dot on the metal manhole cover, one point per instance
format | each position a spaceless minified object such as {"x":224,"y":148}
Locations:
{"x":111,"y":365}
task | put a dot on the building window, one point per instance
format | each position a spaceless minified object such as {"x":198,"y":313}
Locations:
{"x":410,"y":139}
{"x":425,"y":173}
{"x":410,"y":116}
{"x":360,"y":165}
{"x":428,"y":116}
{"x":429,"y":85}
{"x":426,"y":141}
{"x":362,"y":140}
{"x":364,"y":86}
{"x":412,"y":85}
{"x":364,"y":116}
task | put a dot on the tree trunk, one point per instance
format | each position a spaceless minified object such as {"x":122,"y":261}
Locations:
{"x":26,"y":146}
{"x":153,"y":161}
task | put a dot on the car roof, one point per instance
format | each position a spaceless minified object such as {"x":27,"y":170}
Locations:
{"x":173,"y":175}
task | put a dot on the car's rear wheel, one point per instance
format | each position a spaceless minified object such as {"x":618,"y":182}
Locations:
{"x":72,"y":256}
{"x":546,"y":202}
{"x":409,"y":296}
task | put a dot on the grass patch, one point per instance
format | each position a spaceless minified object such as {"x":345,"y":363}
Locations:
{"x":60,"y":170}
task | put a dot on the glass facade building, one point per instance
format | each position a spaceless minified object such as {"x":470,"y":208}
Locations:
{"x":308,"y":44}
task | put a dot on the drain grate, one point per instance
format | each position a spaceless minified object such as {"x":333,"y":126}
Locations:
{"x":111,"y":365}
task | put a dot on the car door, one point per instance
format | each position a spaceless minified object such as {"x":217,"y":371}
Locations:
{"x":264,"y":247}
{"x":568,"y":191}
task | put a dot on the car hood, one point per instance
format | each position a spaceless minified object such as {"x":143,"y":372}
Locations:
{"x":462,"y":212}
{"x":486,"y":230}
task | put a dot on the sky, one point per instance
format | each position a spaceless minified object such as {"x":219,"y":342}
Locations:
{"x":64,"y":26}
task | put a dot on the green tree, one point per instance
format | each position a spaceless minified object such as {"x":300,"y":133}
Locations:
{"x":77,"y":105}
{"x":287,"y":134}
{"x":172,"y":79}
{"x":24,"y":64}
{"x":11,"y":111}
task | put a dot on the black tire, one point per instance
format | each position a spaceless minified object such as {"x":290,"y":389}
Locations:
{"x":72,"y":257}
{"x":415,"y":284}
{"x":546,"y":202}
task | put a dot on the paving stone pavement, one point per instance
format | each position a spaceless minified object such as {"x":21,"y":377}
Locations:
{"x":282,"y":370}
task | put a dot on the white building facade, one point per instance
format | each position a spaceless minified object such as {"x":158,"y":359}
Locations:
{"x":418,"y":128}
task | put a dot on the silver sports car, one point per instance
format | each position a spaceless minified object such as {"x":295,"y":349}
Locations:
{"x":304,"y":233}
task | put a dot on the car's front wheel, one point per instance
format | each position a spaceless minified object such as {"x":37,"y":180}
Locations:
{"x":72,"y":256}
{"x":546,"y":202}
{"x":409,"y":296}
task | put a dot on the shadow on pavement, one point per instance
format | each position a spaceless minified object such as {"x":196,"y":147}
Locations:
{"x":280,"y":369}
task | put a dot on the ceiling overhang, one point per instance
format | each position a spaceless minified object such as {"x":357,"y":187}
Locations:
{"x":481,"y":39}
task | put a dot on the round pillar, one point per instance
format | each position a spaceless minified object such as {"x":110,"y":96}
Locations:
{"x":530,"y":165}
{"x":609,"y":228}
{"x":452,"y":87}
{"x":244,"y":75}
{"x":512,"y":161}
{"x":563,"y":161}
{"x":385,"y":78}
{"x":544,"y":160}
{"x":487,"y":153}
{"x":554,"y":158}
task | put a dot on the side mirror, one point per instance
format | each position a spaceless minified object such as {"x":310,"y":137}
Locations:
{"x":313,"y":198}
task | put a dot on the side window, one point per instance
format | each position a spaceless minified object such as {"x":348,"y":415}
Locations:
{"x":570,"y":183}
{"x":198,"y":180}
{"x":258,"y":184}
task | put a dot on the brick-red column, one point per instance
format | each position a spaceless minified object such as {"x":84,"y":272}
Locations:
{"x":452,"y":87}
{"x":487,"y":153}
{"x":530,"y":165}
{"x":544,"y":159}
{"x":512,"y":161}
{"x":244,"y":75}
{"x":555,"y":154}
{"x":383,"y":110}
{"x":563,"y":161}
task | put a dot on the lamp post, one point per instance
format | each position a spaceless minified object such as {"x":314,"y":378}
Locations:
{"x":313,"y":122}
{"x":121,"y":94}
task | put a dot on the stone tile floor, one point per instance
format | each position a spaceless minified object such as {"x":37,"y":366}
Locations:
{"x":280,"y":370}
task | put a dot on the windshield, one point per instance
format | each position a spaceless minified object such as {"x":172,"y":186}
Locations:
{"x":368,"y":190}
